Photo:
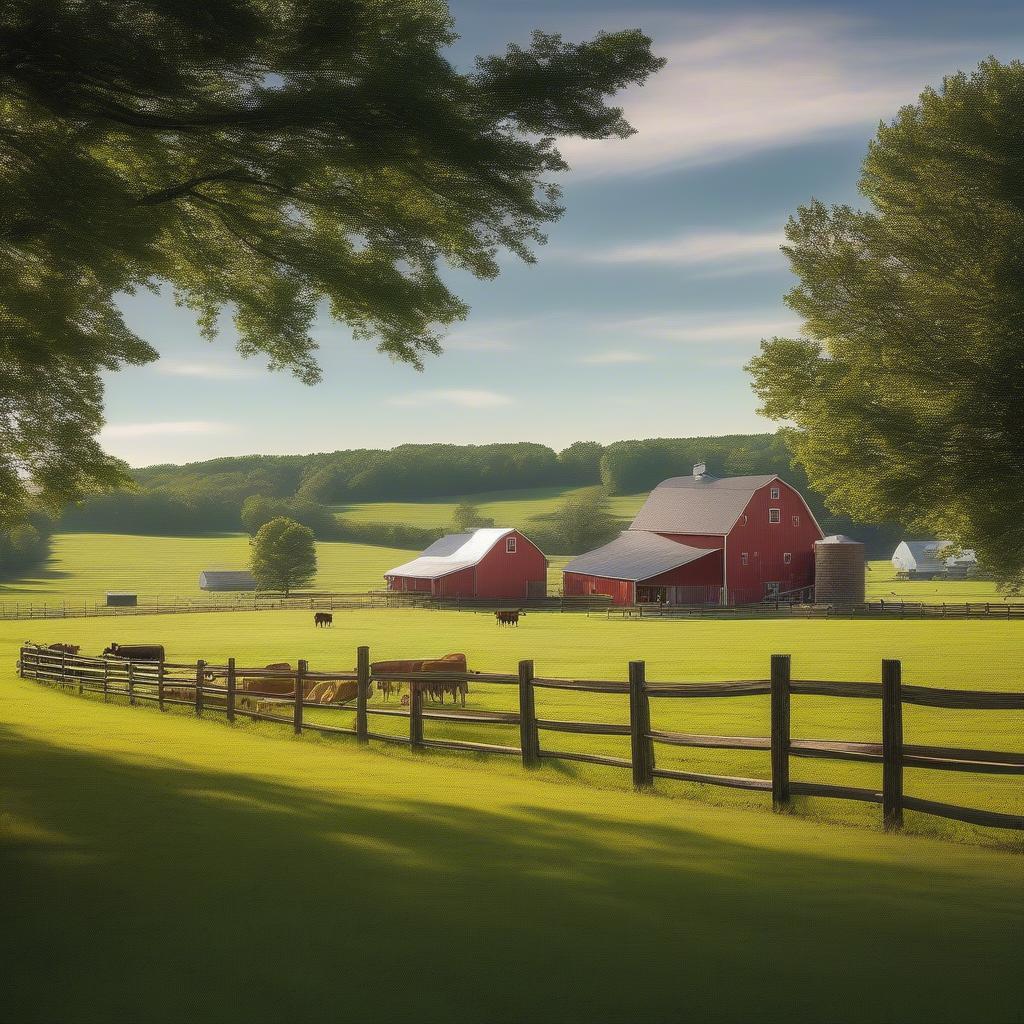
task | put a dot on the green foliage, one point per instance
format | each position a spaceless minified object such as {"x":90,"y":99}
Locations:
{"x":283,"y":555}
{"x":467,"y":516}
{"x":581,"y":522}
{"x":258,"y":510}
{"x":274,"y":159}
{"x":25,"y":546}
{"x":390,"y":535}
{"x":906,"y":390}
{"x":581,"y":462}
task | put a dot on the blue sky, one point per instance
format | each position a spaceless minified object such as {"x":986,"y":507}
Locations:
{"x":657,"y":284}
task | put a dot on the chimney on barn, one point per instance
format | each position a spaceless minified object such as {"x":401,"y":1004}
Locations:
{"x":699,"y":470}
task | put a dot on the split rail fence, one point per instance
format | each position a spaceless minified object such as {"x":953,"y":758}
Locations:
{"x":204,"y":687}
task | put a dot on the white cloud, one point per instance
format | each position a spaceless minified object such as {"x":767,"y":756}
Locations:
{"x":163,"y":429}
{"x":740,"y":249}
{"x":210,"y":371}
{"x":616,"y":357}
{"x":739,"y":85}
{"x":469,"y":343}
{"x":708,"y":329}
{"x":465,"y":398}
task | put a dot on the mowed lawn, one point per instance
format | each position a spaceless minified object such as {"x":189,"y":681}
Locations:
{"x":161,"y":868}
{"x":962,"y":654}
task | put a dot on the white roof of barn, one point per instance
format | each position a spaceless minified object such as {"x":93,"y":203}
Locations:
{"x":451,"y":553}
{"x":928,"y":555}
{"x":636,"y":555}
{"x":705,"y":505}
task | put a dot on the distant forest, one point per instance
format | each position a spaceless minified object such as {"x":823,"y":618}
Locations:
{"x":205,"y":497}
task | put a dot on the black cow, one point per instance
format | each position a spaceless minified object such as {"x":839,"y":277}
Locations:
{"x":323,"y":619}
{"x":136,"y":652}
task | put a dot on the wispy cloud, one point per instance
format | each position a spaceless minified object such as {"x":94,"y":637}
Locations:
{"x":616,"y":357}
{"x":471,"y":343}
{"x":738,"y":85}
{"x":166,"y":428}
{"x":204,"y":370}
{"x":707,"y":328}
{"x":465,"y":398}
{"x":746,"y":250}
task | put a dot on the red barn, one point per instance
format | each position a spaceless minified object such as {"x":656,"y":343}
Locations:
{"x":492,"y":563}
{"x":702,"y":540}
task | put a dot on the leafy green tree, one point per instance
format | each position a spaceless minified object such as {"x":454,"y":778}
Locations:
{"x":907,"y":390}
{"x":581,"y":522}
{"x":271,"y":158}
{"x":467,"y":517}
{"x":283,"y":555}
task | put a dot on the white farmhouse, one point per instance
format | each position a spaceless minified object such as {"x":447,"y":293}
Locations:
{"x":923,"y":559}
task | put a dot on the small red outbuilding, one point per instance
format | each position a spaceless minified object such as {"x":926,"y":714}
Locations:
{"x":493,"y":563}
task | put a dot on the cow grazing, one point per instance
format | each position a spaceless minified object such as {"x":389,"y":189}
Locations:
{"x":435,"y":689}
{"x":64,"y":648}
{"x":509,"y":617}
{"x":323,"y":619}
{"x":136,"y":652}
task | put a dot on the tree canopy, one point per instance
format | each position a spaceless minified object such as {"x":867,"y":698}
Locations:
{"x":283,"y":555}
{"x":271,"y":159}
{"x":906,"y":392}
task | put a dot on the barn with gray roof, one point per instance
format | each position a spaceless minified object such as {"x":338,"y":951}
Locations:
{"x":704,"y":540}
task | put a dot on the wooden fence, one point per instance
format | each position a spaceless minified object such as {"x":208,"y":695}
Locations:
{"x":1001,"y":610}
{"x":205,"y":687}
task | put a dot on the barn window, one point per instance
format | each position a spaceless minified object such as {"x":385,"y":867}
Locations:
{"x":510,"y":545}
{"x":744,"y":558}
{"x":796,"y":520}
{"x":787,"y":558}
{"x":775,"y":494}
{"x":774,"y":515}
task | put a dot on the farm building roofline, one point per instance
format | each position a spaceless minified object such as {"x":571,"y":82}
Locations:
{"x":636,"y":555}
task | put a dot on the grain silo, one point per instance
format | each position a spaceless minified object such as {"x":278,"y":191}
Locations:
{"x":839,"y":570}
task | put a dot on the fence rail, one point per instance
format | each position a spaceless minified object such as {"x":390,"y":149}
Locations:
{"x":197,"y":685}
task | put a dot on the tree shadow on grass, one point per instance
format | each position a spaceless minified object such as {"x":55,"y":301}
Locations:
{"x":157,"y":892}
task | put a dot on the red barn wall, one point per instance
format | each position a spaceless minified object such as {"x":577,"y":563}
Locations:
{"x":455,"y":584}
{"x":704,"y":572}
{"x":575,"y":584}
{"x":765,"y":544}
{"x":501,"y":575}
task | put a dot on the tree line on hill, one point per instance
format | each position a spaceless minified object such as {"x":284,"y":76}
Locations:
{"x":229,"y":494}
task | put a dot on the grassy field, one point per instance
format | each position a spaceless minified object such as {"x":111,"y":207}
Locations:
{"x":507,"y":508}
{"x":161,"y":868}
{"x":971,"y":655}
{"x":86,"y":565}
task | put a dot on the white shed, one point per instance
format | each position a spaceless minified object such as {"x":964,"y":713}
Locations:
{"x":927,"y":558}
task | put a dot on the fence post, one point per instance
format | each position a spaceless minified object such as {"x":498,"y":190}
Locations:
{"x":230,"y":699}
{"x":529,"y":740}
{"x":780,"y":730}
{"x":363,"y":692}
{"x":300,"y":694}
{"x":106,"y":679}
{"x":200,"y":673}
{"x":131,"y":684}
{"x":415,"y":715}
{"x":639,"y":726}
{"x":892,"y":744}
{"x":160,"y":685}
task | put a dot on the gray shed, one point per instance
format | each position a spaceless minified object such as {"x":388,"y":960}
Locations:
{"x":226,"y":579}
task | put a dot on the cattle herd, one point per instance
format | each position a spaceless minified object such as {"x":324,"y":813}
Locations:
{"x":257,"y":691}
{"x":509,"y":618}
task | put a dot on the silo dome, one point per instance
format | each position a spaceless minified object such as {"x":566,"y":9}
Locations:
{"x":839,"y":570}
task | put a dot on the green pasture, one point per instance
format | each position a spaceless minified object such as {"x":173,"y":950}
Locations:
{"x":84,"y":566}
{"x":163,"y":868}
{"x":961,"y":654}
{"x":507,"y":508}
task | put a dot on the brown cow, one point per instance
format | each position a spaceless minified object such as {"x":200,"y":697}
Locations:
{"x":435,"y":689}
{"x":509,"y":617}
{"x":64,"y":648}
{"x":323,"y":619}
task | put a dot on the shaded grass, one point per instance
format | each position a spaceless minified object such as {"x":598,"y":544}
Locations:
{"x":969,"y":655}
{"x":166,"y":869}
